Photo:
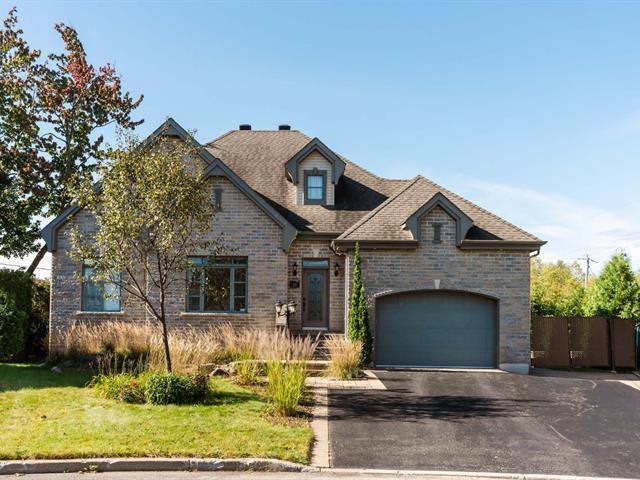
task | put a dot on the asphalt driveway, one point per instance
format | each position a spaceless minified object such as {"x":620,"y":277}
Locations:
{"x":490,"y":422}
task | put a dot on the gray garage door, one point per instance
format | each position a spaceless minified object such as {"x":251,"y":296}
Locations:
{"x":435,"y":329}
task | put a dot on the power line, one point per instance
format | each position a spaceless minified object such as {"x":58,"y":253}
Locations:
{"x":21,"y":266}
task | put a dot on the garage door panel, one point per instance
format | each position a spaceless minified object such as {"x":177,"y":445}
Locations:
{"x":444,"y":329}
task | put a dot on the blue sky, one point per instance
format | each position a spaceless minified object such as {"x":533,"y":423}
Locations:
{"x":530,"y":109}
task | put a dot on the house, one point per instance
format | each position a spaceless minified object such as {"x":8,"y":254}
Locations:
{"x":447,"y":282}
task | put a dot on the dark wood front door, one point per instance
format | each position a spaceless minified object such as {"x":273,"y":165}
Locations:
{"x":315,"y":301}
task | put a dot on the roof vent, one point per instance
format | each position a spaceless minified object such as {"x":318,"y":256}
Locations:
{"x":284,"y":127}
{"x":245,"y":126}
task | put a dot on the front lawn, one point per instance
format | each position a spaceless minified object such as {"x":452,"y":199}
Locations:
{"x":48,"y":415}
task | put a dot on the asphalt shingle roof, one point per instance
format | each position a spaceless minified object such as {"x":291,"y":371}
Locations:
{"x":259,"y":158}
{"x":385,"y":222}
{"x":367,"y":207}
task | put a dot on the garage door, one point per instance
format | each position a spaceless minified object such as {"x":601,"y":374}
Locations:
{"x":435,"y":329}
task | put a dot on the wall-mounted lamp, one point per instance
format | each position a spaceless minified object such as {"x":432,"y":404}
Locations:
{"x":336,"y":269}
{"x":294,"y":269}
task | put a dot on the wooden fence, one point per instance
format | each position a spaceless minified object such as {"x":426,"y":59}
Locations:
{"x":583,"y":342}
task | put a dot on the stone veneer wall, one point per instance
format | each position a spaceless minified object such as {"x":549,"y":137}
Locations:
{"x":500,"y":274}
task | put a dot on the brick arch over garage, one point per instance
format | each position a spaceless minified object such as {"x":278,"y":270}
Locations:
{"x":436,"y":328}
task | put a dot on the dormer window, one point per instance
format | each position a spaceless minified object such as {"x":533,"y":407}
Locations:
{"x":315,"y":187}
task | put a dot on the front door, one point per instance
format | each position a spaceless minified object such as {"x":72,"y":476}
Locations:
{"x":315,"y":305}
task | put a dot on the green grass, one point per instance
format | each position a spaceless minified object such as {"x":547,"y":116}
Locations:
{"x":48,"y":415}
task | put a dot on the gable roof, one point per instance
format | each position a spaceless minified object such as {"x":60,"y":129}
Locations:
{"x":315,"y":145}
{"x":393,"y":220}
{"x":215,"y":167}
{"x":367,"y":207}
{"x":218,"y":169}
{"x":259,"y":157}
{"x":463,"y":222}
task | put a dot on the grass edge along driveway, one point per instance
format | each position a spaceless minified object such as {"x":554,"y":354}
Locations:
{"x":48,"y":415}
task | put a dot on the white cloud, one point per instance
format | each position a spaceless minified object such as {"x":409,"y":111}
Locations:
{"x":572,"y":229}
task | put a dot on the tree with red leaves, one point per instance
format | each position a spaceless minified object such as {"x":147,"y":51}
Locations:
{"x":52,"y":111}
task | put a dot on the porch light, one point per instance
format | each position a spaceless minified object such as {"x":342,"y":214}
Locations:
{"x":336,"y":269}
{"x":295,"y":269}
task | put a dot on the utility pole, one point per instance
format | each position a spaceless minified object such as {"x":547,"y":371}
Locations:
{"x":589,"y":260}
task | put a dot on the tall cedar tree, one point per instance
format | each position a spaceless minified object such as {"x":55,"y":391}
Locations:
{"x":358,"y":325}
{"x":152,"y":209}
{"x":616,"y":291}
{"x":50,"y":112}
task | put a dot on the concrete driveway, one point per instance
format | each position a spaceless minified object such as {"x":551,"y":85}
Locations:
{"x":493,"y":422}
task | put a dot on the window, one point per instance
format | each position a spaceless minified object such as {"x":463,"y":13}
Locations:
{"x":217,"y":284}
{"x":315,"y":263}
{"x":437,"y":232}
{"x":217,"y":199}
{"x":99,"y":296}
{"x":314,"y":187}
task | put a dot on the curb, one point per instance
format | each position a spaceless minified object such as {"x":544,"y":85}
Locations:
{"x":25,"y":467}
{"x":150,"y":464}
{"x":463,"y":475}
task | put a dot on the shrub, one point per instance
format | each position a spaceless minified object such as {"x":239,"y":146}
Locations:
{"x":248,"y":371}
{"x":31,"y":297}
{"x":123,"y":387}
{"x":344,"y":356}
{"x":286,"y":385}
{"x":12,"y":328}
{"x":190,"y":347}
{"x":281,"y":345}
{"x":167,"y":388}
{"x":38,"y":323}
{"x":124,"y":338}
{"x":358,"y":324}
{"x":110,"y":363}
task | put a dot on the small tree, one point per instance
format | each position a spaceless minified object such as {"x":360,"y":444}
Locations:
{"x":556,"y":288}
{"x":152,"y":209}
{"x":358,"y":325}
{"x":616,"y":291}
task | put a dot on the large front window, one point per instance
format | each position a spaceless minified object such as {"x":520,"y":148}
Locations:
{"x":99,"y":296}
{"x":217,"y":284}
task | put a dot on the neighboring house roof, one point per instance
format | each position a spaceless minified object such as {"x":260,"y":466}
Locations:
{"x":259,"y":158}
{"x":391,"y":220}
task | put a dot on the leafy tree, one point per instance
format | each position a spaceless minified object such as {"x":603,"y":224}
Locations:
{"x":12,"y":325}
{"x":358,"y":325}
{"x":20,"y":194}
{"x":50,"y":114}
{"x":151,"y":211}
{"x":557,"y":289}
{"x":616,"y":291}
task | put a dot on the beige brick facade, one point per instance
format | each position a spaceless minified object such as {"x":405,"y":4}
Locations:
{"x":503,"y":275}
{"x":248,"y":232}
